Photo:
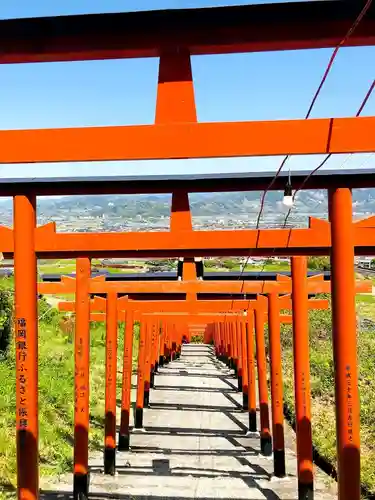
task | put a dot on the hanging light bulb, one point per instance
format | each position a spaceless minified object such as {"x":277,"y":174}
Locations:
{"x":288,"y":194}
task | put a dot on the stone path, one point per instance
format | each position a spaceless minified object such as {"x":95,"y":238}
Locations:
{"x":194,"y":444}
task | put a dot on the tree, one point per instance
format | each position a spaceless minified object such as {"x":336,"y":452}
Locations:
{"x":209,"y":264}
{"x":229,"y":264}
{"x":319,"y":263}
{"x":162,"y":263}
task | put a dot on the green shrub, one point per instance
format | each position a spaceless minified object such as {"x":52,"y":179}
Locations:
{"x":6,"y":321}
{"x":197,"y":339}
{"x":47,"y":313}
{"x":319,"y":263}
{"x":229,"y":264}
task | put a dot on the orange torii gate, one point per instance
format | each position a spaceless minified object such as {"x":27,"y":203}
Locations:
{"x":174,"y":37}
{"x":167,"y":307}
{"x":112,"y":289}
{"x":172,"y":310}
{"x":30,"y":241}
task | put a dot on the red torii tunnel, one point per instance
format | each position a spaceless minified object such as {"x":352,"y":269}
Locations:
{"x":176,"y":134}
{"x":227,"y":349}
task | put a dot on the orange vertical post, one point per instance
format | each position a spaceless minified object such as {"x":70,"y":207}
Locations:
{"x":162,"y":344}
{"x":226,"y":342}
{"x":157,"y":345}
{"x":223,"y":356}
{"x":167,"y":350}
{"x":146,"y":385}
{"x":302,"y":378}
{"x":153,"y":353}
{"x":111,"y":385}
{"x":245,"y":378}
{"x":208,"y":334}
{"x":26,"y":337}
{"x":224,"y":334}
{"x":228,"y":345}
{"x":345,"y":345}
{"x":276,"y":385}
{"x":82,"y":380}
{"x":220,"y":337}
{"x":265,"y":434}
{"x":124,"y":435}
{"x":221,"y":341}
{"x":235,"y":346}
{"x":175,"y":97}
{"x":179,"y":334}
{"x":173,"y":342}
{"x":217,"y":339}
{"x":175,"y":104}
{"x":252,"y":402}
{"x":239,"y":353}
{"x":138,"y":414}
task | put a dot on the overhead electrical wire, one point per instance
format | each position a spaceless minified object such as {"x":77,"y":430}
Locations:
{"x":322,"y":163}
{"x":315,"y":97}
{"x":307,"y":116}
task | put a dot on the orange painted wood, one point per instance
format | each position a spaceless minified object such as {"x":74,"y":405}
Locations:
{"x":26,"y":348}
{"x":189,"y":140}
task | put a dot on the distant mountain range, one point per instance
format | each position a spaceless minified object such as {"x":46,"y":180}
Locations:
{"x":202,"y":204}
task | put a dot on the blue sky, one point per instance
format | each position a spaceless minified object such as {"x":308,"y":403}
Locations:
{"x":261,"y":86}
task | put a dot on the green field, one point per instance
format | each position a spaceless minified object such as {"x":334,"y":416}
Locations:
{"x":366,"y":306}
{"x":270,"y":267}
{"x":69,"y":266}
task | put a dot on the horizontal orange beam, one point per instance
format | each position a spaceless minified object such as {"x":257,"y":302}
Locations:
{"x":215,"y":30}
{"x":179,"y":306}
{"x":189,"y":140}
{"x":315,"y":240}
{"x":205,"y":319}
{"x":48,"y":240}
{"x":50,"y":243}
{"x":195,"y":320}
{"x":165,"y":306}
{"x":98,"y":285}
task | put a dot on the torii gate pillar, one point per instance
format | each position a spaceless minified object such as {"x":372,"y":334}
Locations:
{"x":345,"y":344}
{"x":26,"y":334}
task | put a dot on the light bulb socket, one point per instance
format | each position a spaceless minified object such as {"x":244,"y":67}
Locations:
{"x":288,"y":191}
{"x":288,"y":196}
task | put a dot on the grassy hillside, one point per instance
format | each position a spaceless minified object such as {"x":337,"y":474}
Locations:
{"x":56,"y":396}
{"x":322,"y":378}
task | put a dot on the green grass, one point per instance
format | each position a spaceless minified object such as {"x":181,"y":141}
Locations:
{"x":274,"y":267}
{"x":69,"y":266}
{"x":277,"y":266}
{"x":57,"y":267}
{"x":366,"y":306}
{"x":56,"y":398}
{"x":322,"y":387}
{"x":365,"y":299}
{"x":118,"y":270}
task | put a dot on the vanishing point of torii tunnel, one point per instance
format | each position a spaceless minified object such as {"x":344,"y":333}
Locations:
{"x":240,"y":307}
